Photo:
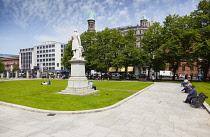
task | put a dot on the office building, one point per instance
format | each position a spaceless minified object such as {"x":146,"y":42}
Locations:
{"x":45,"y":57}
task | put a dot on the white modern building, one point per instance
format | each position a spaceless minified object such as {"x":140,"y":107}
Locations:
{"x":45,"y":57}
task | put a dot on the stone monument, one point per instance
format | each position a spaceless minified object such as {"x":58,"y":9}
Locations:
{"x":77,"y":83}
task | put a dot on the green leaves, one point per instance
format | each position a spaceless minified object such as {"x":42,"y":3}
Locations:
{"x":68,"y":54}
{"x":2,"y":67}
{"x":201,"y":25}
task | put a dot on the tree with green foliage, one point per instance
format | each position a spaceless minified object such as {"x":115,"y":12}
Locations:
{"x":177,"y":41}
{"x":87,"y":39}
{"x":2,"y":67}
{"x":101,"y":53}
{"x":126,"y":51}
{"x":15,"y":68}
{"x":201,"y":20}
{"x":152,"y":41}
{"x":68,"y":54}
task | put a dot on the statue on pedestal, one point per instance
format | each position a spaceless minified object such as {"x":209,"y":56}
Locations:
{"x":76,"y":45}
{"x":77,"y":83}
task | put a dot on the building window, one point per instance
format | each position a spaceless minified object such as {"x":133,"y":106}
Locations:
{"x":37,"y":47}
{"x":183,"y":68}
{"x":37,"y":56}
{"x":49,"y":46}
{"x":40,"y":56}
{"x":46,"y":59}
{"x":37,"y":52}
{"x":46,"y":47}
{"x":43,"y":47}
{"x":40,"y":47}
{"x":53,"y":59}
{"x":57,"y":64}
{"x":53,"y":46}
{"x":61,"y":46}
{"x":61,"y":50}
{"x":53,"y":55}
{"x":53,"y":50}
{"x":191,"y":68}
{"x":46,"y":51}
{"x":37,"y":60}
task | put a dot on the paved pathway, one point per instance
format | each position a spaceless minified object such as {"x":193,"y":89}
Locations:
{"x":159,"y":111}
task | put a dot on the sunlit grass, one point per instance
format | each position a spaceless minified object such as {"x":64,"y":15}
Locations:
{"x":203,"y":87}
{"x":32,"y":94}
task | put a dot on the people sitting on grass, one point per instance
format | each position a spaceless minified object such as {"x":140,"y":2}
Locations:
{"x":192,"y":94}
{"x":184,"y":82}
{"x":91,"y":85}
{"x":187,"y":87}
{"x":46,"y":83}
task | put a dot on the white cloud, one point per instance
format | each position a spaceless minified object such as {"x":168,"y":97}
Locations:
{"x":124,"y":11}
{"x":60,"y":38}
{"x":60,"y":17}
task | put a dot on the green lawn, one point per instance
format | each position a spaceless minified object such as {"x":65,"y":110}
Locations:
{"x":30,"y":93}
{"x":203,"y":87}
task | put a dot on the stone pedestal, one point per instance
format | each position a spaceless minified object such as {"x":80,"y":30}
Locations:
{"x":16,"y":74}
{"x":38,"y":74}
{"x":27,"y":74}
{"x":78,"y":83}
{"x":7,"y":74}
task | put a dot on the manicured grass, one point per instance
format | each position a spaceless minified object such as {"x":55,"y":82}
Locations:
{"x":203,"y":87}
{"x":30,"y":93}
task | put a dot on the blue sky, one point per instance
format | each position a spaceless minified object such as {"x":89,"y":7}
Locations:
{"x":28,"y":23}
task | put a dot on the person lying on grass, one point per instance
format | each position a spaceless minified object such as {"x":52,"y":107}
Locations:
{"x":46,"y":83}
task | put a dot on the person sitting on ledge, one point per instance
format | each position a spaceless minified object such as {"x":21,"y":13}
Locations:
{"x":91,"y":85}
{"x":191,"y":95}
{"x":46,"y":83}
{"x":184,"y":82}
{"x":187,"y":86}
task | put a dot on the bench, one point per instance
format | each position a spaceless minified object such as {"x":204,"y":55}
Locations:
{"x":199,"y":100}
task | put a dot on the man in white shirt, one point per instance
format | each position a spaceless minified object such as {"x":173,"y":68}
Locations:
{"x":91,"y":85}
